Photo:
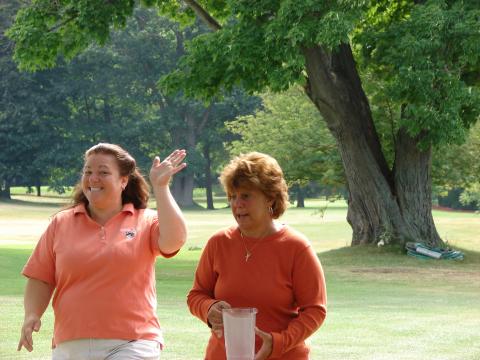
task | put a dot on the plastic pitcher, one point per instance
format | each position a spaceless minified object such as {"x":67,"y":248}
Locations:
{"x":239,"y":333}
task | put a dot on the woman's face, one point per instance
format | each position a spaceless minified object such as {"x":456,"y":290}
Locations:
{"x":102,"y":183}
{"x":250,"y":208}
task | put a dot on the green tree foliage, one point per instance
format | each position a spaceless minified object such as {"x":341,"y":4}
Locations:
{"x":31,"y":111}
{"x":424,"y":61}
{"x":111,"y":94}
{"x":471,"y":195}
{"x":126,"y":71}
{"x":259,"y":45}
{"x":290,"y":129}
{"x":67,"y":27}
{"x":456,"y":168}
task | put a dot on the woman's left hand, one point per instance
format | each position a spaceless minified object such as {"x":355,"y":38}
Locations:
{"x":267,"y":344}
{"x":162,"y":172}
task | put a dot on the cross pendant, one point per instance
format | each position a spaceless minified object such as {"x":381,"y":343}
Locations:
{"x":247,"y":255}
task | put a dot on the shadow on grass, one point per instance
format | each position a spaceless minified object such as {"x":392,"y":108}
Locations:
{"x":390,"y":256}
{"x":36,"y":203}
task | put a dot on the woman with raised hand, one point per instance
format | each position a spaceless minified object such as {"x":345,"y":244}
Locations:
{"x":260,"y":263}
{"x":97,"y":259}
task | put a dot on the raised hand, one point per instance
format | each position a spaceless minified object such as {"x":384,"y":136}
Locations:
{"x":267,"y":344}
{"x":30,"y":325}
{"x":162,"y":172}
{"x":215,"y":317}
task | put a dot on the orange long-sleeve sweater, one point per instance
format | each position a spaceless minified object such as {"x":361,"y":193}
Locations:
{"x":283,"y":279}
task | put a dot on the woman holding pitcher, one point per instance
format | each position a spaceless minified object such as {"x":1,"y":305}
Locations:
{"x":260,"y":263}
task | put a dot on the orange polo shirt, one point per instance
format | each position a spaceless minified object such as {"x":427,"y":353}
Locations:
{"x":104,"y":276}
{"x":283,"y":279}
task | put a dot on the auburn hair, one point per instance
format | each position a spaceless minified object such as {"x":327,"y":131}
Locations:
{"x":137,"y":190}
{"x":258,"y":171}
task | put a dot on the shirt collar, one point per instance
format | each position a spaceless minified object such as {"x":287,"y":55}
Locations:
{"x":80,"y":208}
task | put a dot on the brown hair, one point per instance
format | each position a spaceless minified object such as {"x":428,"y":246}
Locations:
{"x":137,"y":190}
{"x":259,"y":171}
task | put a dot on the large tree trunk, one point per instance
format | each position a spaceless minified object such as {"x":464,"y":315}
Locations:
{"x":208,"y":177}
{"x":413,"y":187}
{"x":5,"y":190}
{"x":38,"y":187}
{"x":182,"y":190}
{"x":183,"y":182}
{"x":378,"y":208}
{"x":300,"y":196}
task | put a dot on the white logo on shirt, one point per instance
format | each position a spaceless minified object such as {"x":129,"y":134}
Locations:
{"x":129,"y":233}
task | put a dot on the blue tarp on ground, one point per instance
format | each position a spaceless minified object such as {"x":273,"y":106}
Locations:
{"x":422,"y":251}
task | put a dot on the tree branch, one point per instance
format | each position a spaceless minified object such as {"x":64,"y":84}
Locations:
{"x":205,"y":118}
{"x":62,"y":23}
{"x":203,"y":15}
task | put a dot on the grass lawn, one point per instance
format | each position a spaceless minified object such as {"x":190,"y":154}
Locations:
{"x":381,"y":303}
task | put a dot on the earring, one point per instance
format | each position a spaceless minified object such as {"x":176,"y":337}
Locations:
{"x":270,"y":210}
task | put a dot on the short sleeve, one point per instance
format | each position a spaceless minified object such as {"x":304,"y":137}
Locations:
{"x":154,"y":235}
{"x":41,"y":264}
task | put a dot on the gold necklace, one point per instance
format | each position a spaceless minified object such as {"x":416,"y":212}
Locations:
{"x":248,"y":252}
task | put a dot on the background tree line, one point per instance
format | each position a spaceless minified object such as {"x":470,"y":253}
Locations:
{"x":392,"y":91}
{"x":49,"y":118}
